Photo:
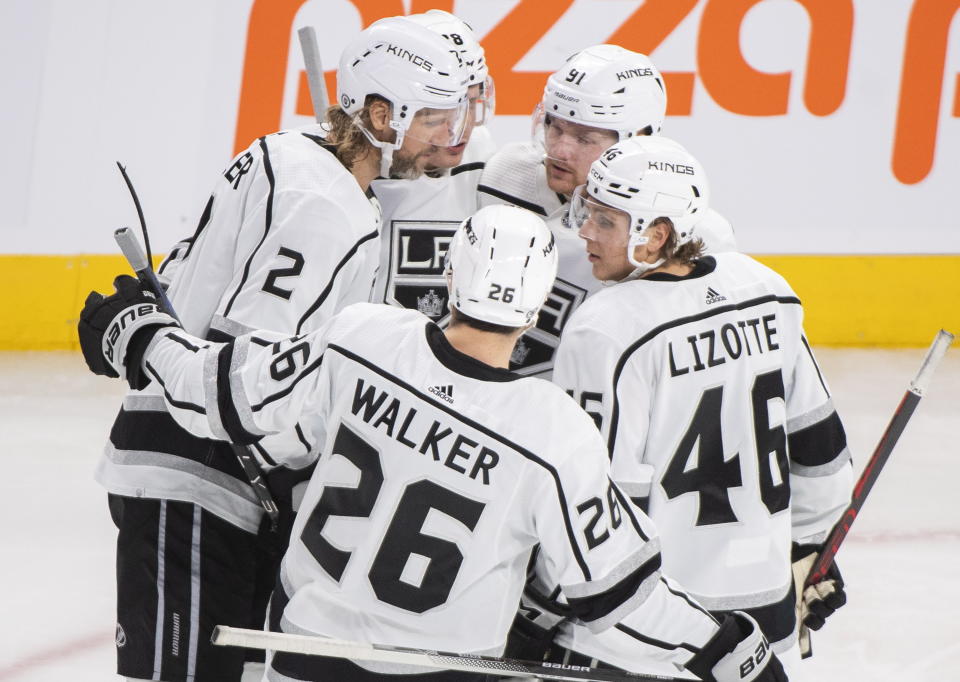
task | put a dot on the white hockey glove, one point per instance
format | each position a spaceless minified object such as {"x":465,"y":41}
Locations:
{"x":738,"y":652}
{"x":115,"y":330}
{"x":818,"y":602}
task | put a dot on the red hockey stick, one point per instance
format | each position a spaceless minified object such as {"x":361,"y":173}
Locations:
{"x":880,"y":455}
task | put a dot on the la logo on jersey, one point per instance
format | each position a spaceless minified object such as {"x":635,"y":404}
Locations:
{"x":415,"y":277}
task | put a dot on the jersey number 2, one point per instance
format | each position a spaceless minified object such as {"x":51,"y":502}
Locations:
{"x":713,"y":476}
{"x":403,"y":537}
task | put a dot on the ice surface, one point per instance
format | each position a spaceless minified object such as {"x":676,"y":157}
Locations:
{"x":901,"y":563}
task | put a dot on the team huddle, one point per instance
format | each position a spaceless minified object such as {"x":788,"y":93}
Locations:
{"x":526,"y":401}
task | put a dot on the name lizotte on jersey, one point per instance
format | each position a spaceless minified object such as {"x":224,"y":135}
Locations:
{"x":702,"y":351}
{"x":460,"y":453}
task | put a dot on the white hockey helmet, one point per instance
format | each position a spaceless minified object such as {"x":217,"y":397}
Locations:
{"x":464,"y":44}
{"x":413,"y":69}
{"x":608,"y":87}
{"x":500,"y":265}
{"x":645,"y":178}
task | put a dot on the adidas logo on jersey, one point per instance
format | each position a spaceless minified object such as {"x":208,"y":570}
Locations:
{"x":713,"y":296}
{"x":443,"y":392}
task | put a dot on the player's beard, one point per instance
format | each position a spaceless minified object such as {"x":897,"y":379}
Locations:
{"x":409,"y":167}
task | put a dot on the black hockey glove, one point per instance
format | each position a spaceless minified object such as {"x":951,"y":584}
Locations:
{"x":738,"y":652}
{"x":818,"y":602}
{"x":115,"y":330}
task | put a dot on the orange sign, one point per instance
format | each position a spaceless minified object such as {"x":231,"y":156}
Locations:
{"x":721,"y":66}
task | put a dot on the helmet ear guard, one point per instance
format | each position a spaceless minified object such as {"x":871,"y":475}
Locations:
{"x":500,"y":266}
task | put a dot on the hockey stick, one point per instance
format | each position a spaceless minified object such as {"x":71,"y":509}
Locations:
{"x":315,"y":80}
{"x":141,"y":265}
{"x":441,"y":660}
{"x":880,"y":455}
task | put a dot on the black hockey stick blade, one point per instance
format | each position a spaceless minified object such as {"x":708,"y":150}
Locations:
{"x":141,"y":265}
{"x":136,"y":203}
{"x":880,"y":455}
{"x":440,"y":660}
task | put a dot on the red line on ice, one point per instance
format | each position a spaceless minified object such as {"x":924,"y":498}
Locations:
{"x":56,"y":654}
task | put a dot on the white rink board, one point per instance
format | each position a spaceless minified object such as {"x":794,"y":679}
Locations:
{"x":158,"y":86}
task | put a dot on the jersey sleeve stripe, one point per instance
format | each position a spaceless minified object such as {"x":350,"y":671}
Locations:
{"x":180,"y":404}
{"x":239,"y":426}
{"x":687,"y":598}
{"x":652,"y":641}
{"x":819,"y":444}
{"x":336,"y":271}
{"x":602,"y":611}
{"x":201,"y":225}
{"x":307,"y":371}
{"x":509,"y":198}
{"x":561,"y":497}
{"x":625,"y":506}
{"x":803,"y":337}
{"x":680,"y":321}
{"x":268,"y":170}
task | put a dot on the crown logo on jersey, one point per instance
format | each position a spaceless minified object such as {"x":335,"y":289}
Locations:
{"x":430,"y":304}
{"x":713,"y":296}
{"x":520,"y":353}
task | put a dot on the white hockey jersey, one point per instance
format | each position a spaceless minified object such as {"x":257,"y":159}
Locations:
{"x":718,"y":420}
{"x":419,"y":219}
{"x":437,"y":477}
{"x":287,"y":239}
{"x":515,"y":175}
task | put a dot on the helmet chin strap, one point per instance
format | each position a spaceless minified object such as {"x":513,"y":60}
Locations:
{"x":386,"y":148}
{"x":640,"y":267}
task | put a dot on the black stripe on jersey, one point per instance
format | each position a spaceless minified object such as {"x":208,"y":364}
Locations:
{"x":228,"y":410}
{"x":624,"y":505}
{"x":183,"y":342}
{"x":777,"y":620}
{"x":268,"y":170}
{"x":466,"y":167}
{"x":685,"y":597}
{"x":652,"y":641}
{"x":336,"y":271}
{"x":509,"y":198}
{"x":819,"y":443}
{"x":199,"y":409}
{"x":301,"y":437}
{"x":218,"y":336}
{"x":309,"y":369}
{"x":656,"y":331}
{"x":484,"y":430}
{"x":204,"y":221}
{"x":160,"y":432}
{"x":601,"y":604}
{"x":264,"y":454}
{"x":806,"y":345}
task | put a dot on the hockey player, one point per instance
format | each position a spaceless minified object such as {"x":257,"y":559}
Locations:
{"x":717,"y":418}
{"x":420,"y":217}
{"x":288,"y":238}
{"x":439,"y":470}
{"x":601,"y":95}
